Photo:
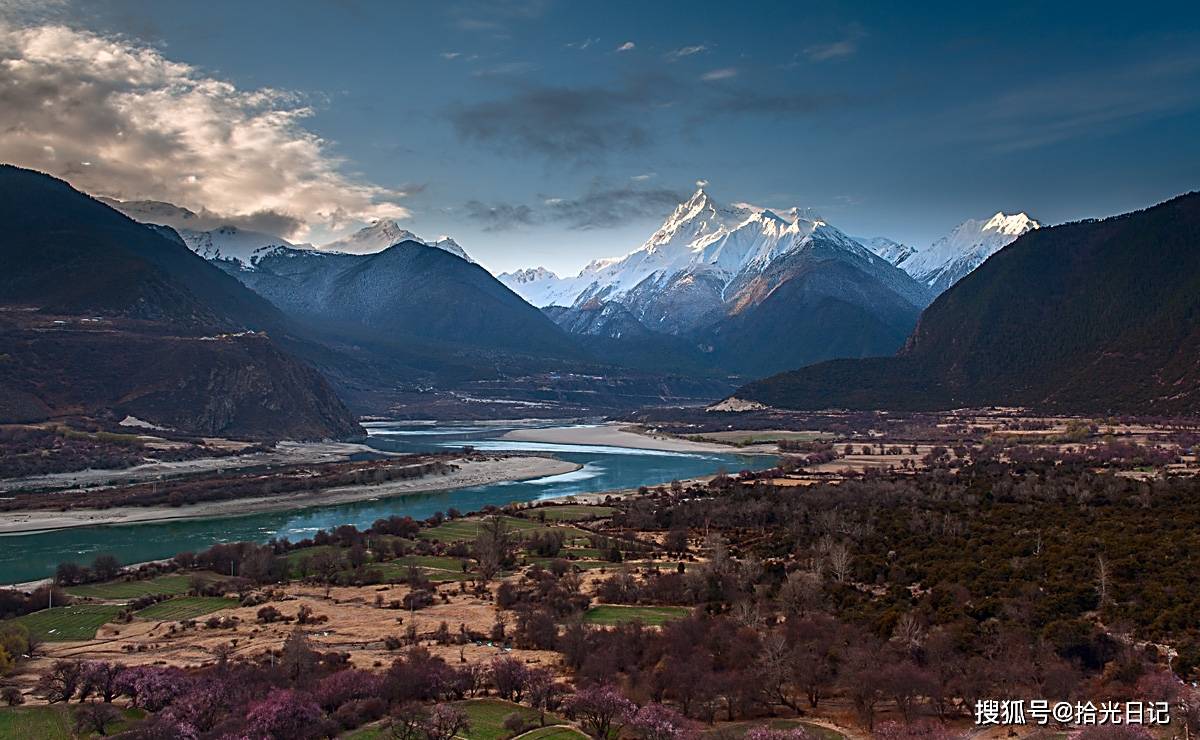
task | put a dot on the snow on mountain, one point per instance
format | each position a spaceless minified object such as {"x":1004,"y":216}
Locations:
{"x":702,"y":239}
{"x":954,"y":256}
{"x":537,"y":285}
{"x":232,"y":244}
{"x":385,"y":233}
{"x":890,"y":250}
{"x":226,"y":242}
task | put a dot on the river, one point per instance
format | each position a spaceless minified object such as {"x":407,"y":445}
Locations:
{"x":28,"y":557}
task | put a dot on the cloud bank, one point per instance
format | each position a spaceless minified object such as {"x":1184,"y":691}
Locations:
{"x":119,"y":119}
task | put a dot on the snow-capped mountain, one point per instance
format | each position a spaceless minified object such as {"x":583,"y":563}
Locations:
{"x":385,"y":233}
{"x":229,"y":243}
{"x":224,"y":243}
{"x":954,"y":256}
{"x":689,"y":271}
{"x":891,"y":250}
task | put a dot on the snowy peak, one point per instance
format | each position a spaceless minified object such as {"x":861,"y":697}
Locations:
{"x":528,"y":275}
{"x":954,"y":256}
{"x":889,"y":249}
{"x":386,"y":233}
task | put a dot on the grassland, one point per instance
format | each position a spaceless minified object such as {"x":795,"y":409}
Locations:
{"x":609,"y":614}
{"x":559,"y":732}
{"x":124,"y":590}
{"x":185,"y":607}
{"x":569,"y":513}
{"x":68,"y":623}
{"x":739,"y":729}
{"x":51,"y":722}
{"x":462,"y":530}
{"x":487,"y":717}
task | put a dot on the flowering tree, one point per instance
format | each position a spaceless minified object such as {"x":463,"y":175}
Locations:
{"x":1115,"y":732}
{"x":658,"y":722}
{"x":284,"y":714}
{"x":153,"y":687}
{"x":599,"y":709}
{"x":338,"y":688}
{"x":509,"y":676}
{"x":445,"y":721}
{"x":102,"y":679}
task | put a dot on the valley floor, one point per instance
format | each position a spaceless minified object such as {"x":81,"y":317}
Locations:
{"x":467,"y":473}
{"x":623,"y":435}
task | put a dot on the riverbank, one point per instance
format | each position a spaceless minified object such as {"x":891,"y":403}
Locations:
{"x":284,"y":453}
{"x":470,"y":473}
{"x":615,"y":434}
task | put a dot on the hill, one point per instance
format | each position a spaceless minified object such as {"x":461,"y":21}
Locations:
{"x":104,"y":316}
{"x":1091,"y":316}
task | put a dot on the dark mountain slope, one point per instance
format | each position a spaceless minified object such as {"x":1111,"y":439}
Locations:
{"x":1092,"y":316}
{"x":408,"y":291}
{"x":104,"y":316}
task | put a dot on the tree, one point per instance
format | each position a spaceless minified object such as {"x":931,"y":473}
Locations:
{"x":509,"y":676}
{"x":599,"y":710}
{"x":297,"y":659}
{"x":658,"y":722}
{"x":95,"y":717}
{"x":101,"y":678}
{"x":407,"y":722}
{"x":284,"y":714}
{"x":445,"y":721}
{"x":61,"y":681}
{"x":68,"y":574}
{"x":541,"y":691}
{"x":11,"y":696}
{"x":106,"y":567}
{"x":493,"y":546}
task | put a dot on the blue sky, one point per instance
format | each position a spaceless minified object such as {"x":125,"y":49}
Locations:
{"x":542,"y":132}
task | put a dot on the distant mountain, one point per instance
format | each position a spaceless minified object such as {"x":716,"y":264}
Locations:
{"x":757,"y":290}
{"x":107,"y":316}
{"x":409,"y":290}
{"x":1089,"y":317}
{"x":385,"y":233}
{"x":952,"y":257}
{"x":890,"y":250}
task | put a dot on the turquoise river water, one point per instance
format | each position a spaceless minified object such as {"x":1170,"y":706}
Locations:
{"x":32,"y":556}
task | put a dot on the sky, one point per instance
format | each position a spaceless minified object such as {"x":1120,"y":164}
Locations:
{"x":544,"y":132}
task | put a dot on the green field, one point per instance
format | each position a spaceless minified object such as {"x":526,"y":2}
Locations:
{"x":50,"y":722}
{"x":185,"y":607}
{"x":569,"y":513}
{"x":487,"y":723}
{"x":461,"y":530}
{"x":68,"y":623}
{"x":434,"y":562}
{"x":653,"y":615}
{"x":554,"y":733}
{"x":115,"y":590}
{"x":487,"y":717}
{"x":738,"y":729}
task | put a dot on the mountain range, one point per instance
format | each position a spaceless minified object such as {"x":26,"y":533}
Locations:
{"x":758,"y":290}
{"x":1092,"y":316}
{"x":104,"y":316}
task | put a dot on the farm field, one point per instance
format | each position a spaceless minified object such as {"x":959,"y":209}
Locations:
{"x":185,"y":607}
{"x":50,"y":722}
{"x":115,"y":590}
{"x":570,"y":513}
{"x":609,"y":614}
{"x":69,"y":623}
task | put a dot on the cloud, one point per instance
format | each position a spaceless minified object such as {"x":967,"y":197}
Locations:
{"x":168,"y":214}
{"x":643,"y":177}
{"x":685,"y":51}
{"x":119,"y":119}
{"x":1097,"y":103}
{"x":600,"y":207}
{"x":500,"y":216}
{"x":627,"y":46}
{"x":579,"y":124}
{"x":451,"y":54}
{"x":582,"y":45}
{"x":719,"y":74}
{"x":843,"y":47}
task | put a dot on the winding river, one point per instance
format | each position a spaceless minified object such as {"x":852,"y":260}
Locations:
{"x":29,"y":557}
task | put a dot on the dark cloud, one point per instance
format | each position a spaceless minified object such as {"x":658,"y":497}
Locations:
{"x":500,"y":216}
{"x":599,"y":208}
{"x":575,"y":124}
{"x":603,"y":208}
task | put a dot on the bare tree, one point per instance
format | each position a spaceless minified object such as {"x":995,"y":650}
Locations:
{"x":839,"y":561}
